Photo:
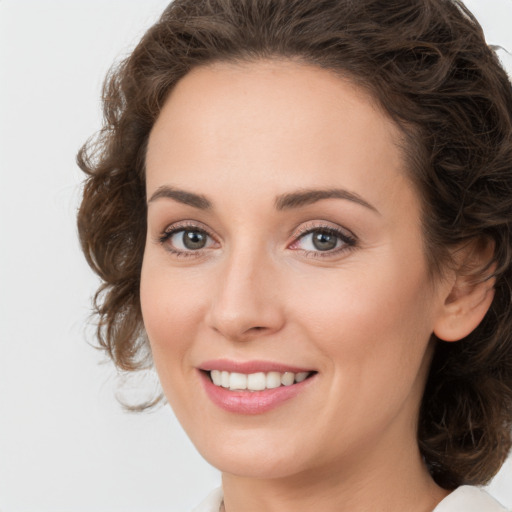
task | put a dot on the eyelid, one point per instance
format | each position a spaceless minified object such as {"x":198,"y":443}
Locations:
{"x":313,"y":226}
{"x":322,"y":225}
{"x":348,"y":239}
{"x":185,"y":225}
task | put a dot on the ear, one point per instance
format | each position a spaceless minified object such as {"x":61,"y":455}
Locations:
{"x":469,"y":293}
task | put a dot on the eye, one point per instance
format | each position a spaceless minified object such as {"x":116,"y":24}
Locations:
{"x":323,"y":239}
{"x":320,"y":241}
{"x":184,"y":241}
{"x":188,"y":239}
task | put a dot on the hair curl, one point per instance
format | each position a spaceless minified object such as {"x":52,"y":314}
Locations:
{"x":427,"y":63}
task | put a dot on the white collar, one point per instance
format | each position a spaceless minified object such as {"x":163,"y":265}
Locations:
{"x":466,"y":498}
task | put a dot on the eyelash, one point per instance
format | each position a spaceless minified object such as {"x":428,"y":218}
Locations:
{"x":349,"y":241}
{"x":171,"y":231}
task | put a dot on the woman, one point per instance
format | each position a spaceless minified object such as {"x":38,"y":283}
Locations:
{"x":301,"y":213}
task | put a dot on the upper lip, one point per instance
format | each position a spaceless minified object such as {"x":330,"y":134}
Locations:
{"x":249,"y":367}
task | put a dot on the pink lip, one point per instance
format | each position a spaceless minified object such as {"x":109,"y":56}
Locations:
{"x":251,"y":402}
{"x":250,"y":366}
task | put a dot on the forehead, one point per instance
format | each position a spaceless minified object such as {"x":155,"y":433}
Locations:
{"x":258,"y":95}
{"x":267,"y":122}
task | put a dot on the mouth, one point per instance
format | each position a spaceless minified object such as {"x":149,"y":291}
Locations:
{"x":259,"y":381}
{"x":253,"y":387}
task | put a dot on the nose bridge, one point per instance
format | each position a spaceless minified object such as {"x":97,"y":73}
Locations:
{"x":245,"y":302}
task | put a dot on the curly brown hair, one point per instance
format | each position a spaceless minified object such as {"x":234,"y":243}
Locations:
{"x":427,"y":64}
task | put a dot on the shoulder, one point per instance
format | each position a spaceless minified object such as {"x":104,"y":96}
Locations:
{"x":211,"y":503}
{"x":468,"y":498}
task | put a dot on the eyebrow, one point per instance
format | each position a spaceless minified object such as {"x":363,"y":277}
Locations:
{"x":310,"y":196}
{"x":181,"y":196}
{"x":282,"y":202}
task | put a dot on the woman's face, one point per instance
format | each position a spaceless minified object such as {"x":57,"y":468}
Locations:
{"x":284,"y":240}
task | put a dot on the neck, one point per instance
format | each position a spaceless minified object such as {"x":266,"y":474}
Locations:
{"x":383,"y":481}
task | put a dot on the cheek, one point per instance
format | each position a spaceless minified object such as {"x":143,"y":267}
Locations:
{"x":373,"y":334}
{"x":170,"y":308}
{"x":370,"y":324}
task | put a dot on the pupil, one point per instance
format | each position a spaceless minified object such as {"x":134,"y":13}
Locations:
{"x":324,"y":241}
{"x":194,"y":240}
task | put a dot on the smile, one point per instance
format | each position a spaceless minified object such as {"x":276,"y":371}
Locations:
{"x":253,"y":387}
{"x":256,"y":381}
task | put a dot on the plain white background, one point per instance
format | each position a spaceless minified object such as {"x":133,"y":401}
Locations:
{"x":65,"y":444}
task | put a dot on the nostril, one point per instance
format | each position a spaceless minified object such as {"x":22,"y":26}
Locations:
{"x":255,"y":329}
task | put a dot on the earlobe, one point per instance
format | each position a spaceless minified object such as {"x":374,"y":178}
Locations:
{"x":470,"y":293}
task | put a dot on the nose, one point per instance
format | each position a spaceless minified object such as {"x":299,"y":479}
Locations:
{"x":246,"y":302}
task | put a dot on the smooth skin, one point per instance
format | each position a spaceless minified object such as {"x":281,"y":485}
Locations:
{"x":359,"y":309}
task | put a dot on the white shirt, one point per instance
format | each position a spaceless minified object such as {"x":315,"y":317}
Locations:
{"x":464,"y":499}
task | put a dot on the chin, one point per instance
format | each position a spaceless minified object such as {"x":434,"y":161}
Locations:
{"x":247,"y":465}
{"x":257,"y":457}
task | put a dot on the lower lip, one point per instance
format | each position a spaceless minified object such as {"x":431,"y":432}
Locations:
{"x":251,"y":402}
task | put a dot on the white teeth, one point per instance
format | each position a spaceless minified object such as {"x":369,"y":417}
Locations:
{"x":287,"y":379}
{"x":256,"y":381}
{"x":301,"y":376}
{"x":273,"y":380}
{"x":237,"y":381}
{"x":216,"y":377}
